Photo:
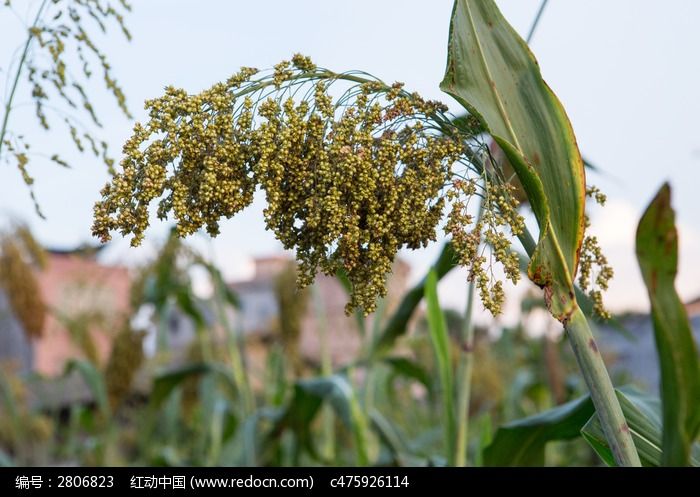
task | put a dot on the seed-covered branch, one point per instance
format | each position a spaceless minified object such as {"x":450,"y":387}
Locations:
{"x":56,"y":64}
{"x":353,"y":169}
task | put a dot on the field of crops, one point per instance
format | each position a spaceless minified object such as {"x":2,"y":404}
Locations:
{"x":331,"y":355}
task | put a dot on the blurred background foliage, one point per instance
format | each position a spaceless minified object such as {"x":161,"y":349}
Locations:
{"x":100,"y":366}
{"x":219,"y":401}
{"x":184,"y":381}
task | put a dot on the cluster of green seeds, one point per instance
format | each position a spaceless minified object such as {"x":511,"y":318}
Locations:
{"x":352,"y":169}
{"x":348,"y":181}
{"x":60,"y":61}
{"x":481,"y":239}
{"x":595,"y":272}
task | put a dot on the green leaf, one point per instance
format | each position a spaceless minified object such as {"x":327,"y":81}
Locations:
{"x":643,"y":415}
{"x":309,"y":396}
{"x":522,"y":442}
{"x":441,"y":345}
{"x":187,"y":303}
{"x":403,"y":366}
{"x":94,"y":380}
{"x":485,"y":438}
{"x":165,"y":383}
{"x":220,"y":286}
{"x":585,"y":303}
{"x":390,"y":436}
{"x":657,"y":253}
{"x":397,"y":324}
{"x":493,"y":74}
{"x":400,"y":450}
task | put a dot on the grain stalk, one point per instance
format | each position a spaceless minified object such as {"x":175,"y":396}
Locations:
{"x":236,"y":353}
{"x":329,"y":449}
{"x":18,"y":73}
{"x":597,"y":380}
{"x":464,"y":374}
{"x":602,"y":392}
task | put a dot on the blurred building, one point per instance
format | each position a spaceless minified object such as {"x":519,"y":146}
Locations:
{"x":633,"y":355}
{"x":88,"y":301}
{"x":259,"y":309}
{"x":16,"y":351}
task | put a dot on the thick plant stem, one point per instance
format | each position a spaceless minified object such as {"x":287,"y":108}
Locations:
{"x":601,"y":389}
{"x":597,"y":379}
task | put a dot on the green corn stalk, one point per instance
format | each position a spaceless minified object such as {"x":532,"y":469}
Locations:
{"x":493,"y":74}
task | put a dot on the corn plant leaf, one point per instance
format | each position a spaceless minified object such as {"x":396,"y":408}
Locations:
{"x":657,"y":253}
{"x":305,"y":404}
{"x":398,"y":322}
{"x":390,"y":437}
{"x":485,"y":430}
{"x":220,"y":286}
{"x":522,"y":442}
{"x":187,"y":303}
{"x":399,"y":450}
{"x":493,"y":74}
{"x":407,"y":368}
{"x":94,"y":381}
{"x":165,"y":383}
{"x":643,"y":415}
{"x":441,"y":345}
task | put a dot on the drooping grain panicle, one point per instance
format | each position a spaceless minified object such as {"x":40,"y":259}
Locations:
{"x":353,"y":169}
{"x":125,"y":360}
{"x":20,"y":257}
{"x":348,"y":180}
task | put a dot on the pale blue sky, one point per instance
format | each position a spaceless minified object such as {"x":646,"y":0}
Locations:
{"x":627,"y":72}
